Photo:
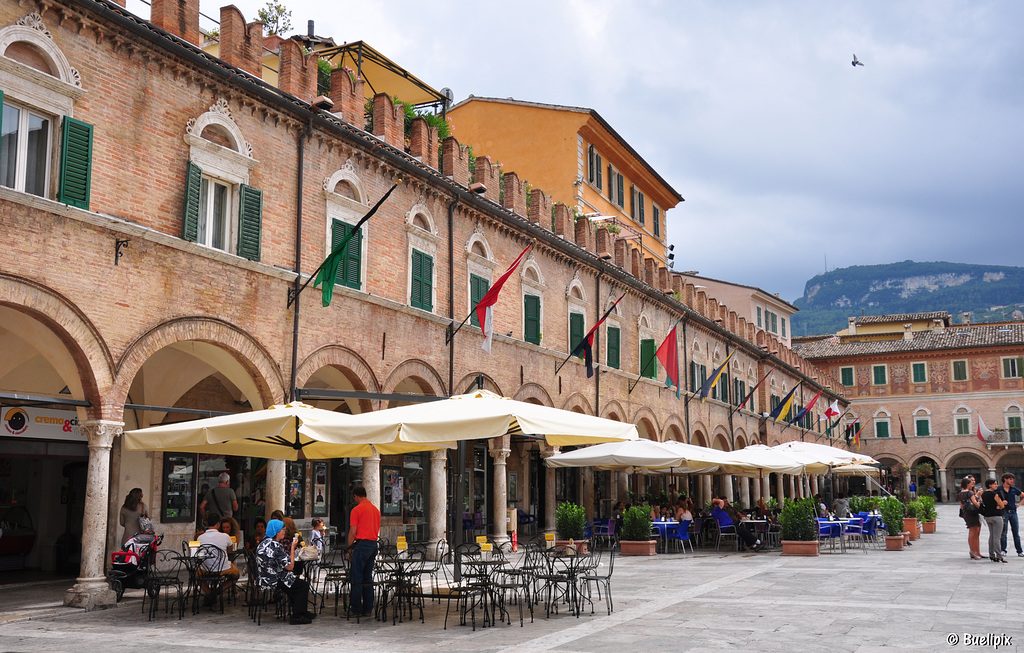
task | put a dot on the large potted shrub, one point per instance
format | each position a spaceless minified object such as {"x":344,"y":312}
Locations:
{"x":798,"y":527}
{"x":928,"y":514}
{"x":910,"y":523}
{"x":635,"y":539}
{"x":571,"y":526}
{"x":892,"y":516}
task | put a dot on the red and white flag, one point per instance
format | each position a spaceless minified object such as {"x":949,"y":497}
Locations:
{"x":984,"y":432}
{"x":485,"y":309}
{"x":832,"y":411}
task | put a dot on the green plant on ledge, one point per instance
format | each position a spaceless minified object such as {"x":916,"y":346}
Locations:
{"x":797,"y":522}
{"x":636,"y":524}
{"x":913,"y":509}
{"x":570,"y":521}
{"x":892,"y":514}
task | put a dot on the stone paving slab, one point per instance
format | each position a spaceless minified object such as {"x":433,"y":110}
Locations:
{"x":910,"y":600}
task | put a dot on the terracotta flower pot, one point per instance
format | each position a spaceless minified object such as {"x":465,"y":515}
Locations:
{"x":928,"y":527}
{"x":637,"y":547}
{"x":799,"y":547}
{"x":894,"y":542}
{"x":910,"y":524}
{"x":906,"y":537}
{"x":582,"y":546}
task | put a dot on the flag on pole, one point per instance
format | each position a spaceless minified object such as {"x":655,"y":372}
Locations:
{"x":709,"y":384}
{"x":780,"y":412}
{"x":831,"y":412}
{"x":856,"y":436}
{"x":668,"y":354}
{"x":984,"y":432}
{"x":903,"y":434}
{"x":329,"y":268}
{"x":485,"y":309}
{"x":799,"y":416}
{"x":750,"y":395}
{"x":586,"y":345}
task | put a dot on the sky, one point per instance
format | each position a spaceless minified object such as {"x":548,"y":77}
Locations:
{"x":789,"y":158}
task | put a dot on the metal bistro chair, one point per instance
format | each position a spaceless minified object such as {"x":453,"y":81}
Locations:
{"x":213,"y":558}
{"x":719,"y":533}
{"x":604,"y":532}
{"x":335,"y":577}
{"x":601,"y":575}
{"x":164,"y":575}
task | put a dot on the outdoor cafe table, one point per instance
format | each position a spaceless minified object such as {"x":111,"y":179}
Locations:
{"x":485,"y":573}
{"x":841,"y":525}
{"x":663,"y":525}
{"x":191,"y":560}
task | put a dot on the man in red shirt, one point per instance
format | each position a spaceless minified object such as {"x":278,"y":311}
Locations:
{"x":363,"y":530}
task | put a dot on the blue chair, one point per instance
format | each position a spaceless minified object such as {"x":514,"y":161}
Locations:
{"x":681,"y":534}
{"x":870,"y":530}
{"x":605,"y":530}
{"x":829,"y":533}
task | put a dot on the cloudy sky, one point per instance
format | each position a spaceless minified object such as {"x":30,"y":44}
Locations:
{"x":786,"y":154}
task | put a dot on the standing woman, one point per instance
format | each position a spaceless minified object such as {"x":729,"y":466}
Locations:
{"x":969,"y":510}
{"x":132,"y":509}
{"x":994,"y":517}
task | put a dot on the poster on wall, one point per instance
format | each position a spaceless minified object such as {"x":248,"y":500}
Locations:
{"x":391,"y":503}
{"x":40,"y":423}
{"x":320,"y":489}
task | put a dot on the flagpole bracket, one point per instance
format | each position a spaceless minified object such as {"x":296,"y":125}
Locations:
{"x":293,"y":294}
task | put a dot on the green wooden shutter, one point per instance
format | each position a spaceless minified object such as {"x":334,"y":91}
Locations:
{"x":611,"y":183}
{"x":632,"y":201}
{"x":75,"y":164}
{"x":647,"y":349}
{"x":847,"y":376}
{"x":190,"y":211}
{"x":612,"y":357}
{"x":478,"y":287}
{"x":598,"y":167}
{"x":531,"y":319}
{"x":621,"y":183}
{"x":349,"y":270}
{"x":250,"y":222}
{"x":575,"y":331}
{"x":590,"y":164}
{"x":422,"y":281}
{"x":724,"y":384}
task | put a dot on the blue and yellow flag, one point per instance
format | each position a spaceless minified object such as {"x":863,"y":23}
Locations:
{"x":709,"y":384}
{"x":782,"y":410}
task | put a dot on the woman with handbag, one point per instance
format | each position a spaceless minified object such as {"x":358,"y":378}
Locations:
{"x":969,"y":506}
{"x":132,"y":513}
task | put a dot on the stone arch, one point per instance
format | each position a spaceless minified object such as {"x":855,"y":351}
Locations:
{"x":899,"y":459}
{"x":533,"y":393}
{"x":577,"y":403}
{"x":421,"y":373}
{"x":699,"y":437}
{"x":647,"y":429}
{"x":219,"y":116}
{"x":478,"y":241}
{"x":740,"y":438}
{"x":575,"y":290}
{"x":249,"y":353}
{"x":674,"y":428}
{"x":420,"y":216}
{"x":951,"y":457}
{"x":31,"y":30}
{"x":720,"y":440}
{"x":468,"y":384}
{"x":348,"y":363}
{"x":614,"y":410}
{"x":1001,"y":460}
{"x":918,"y":455}
{"x":346,"y":174}
{"x":645,"y":413}
{"x":77,"y":334}
{"x":531,"y":271}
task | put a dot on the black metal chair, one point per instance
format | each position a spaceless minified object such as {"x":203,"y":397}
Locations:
{"x":165,"y":574}
{"x":601,"y":576}
{"x":210,"y":581}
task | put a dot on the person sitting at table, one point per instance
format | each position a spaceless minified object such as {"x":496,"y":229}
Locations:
{"x":761,"y":509}
{"x":229,"y":526}
{"x":684,"y":510}
{"x":277,"y":514}
{"x":316,"y":536}
{"x":260,"y":526}
{"x":277,"y":571}
{"x":726,"y":516}
{"x":213,"y":567}
{"x":822,"y":508}
{"x":617,"y":515}
{"x":841,"y":506}
{"x":292,"y":533}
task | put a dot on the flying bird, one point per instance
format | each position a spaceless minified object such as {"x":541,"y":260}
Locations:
{"x":856,"y":62}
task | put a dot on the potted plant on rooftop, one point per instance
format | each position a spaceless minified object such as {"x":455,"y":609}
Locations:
{"x":928,"y":514}
{"x":892,"y":516}
{"x":636,"y":532}
{"x":571,"y":526}
{"x":798,"y":527}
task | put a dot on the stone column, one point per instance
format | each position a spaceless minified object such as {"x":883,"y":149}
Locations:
{"x":371,"y":478}
{"x":744,"y":492}
{"x":946,"y":493}
{"x":622,"y":486}
{"x":727,"y":487}
{"x":780,"y":492}
{"x":991,"y":474}
{"x":499,"y":501}
{"x":275,"y":487}
{"x":91,"y":590}
{"x":814,"y":484}
{"x":705,"y":489}
{"x":792,"y":487}
{"x":906,"y":479}
{"x":755,"y":489}
{"x":549,"y":491}
{"x":438,"y":498}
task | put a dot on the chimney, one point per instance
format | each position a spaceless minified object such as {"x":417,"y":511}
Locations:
{"x":179,"y":17}
{"x":966,"y":315}
{"x":907,"y":333}
{"x":853,"y":326}
{"x":514,"y":198}
{"x":540,"y":208}
{"x":310,"y":32}
{"x":937,"y":324}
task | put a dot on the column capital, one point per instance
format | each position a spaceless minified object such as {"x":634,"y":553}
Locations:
{"x":439,"y":455}
{"x":101,"y":432}
{"x":375,"y":458}
{"x":500,"y":455}
{"x":547,"y":451}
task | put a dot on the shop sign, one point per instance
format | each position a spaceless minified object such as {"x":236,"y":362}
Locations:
{"x":40,"y":424}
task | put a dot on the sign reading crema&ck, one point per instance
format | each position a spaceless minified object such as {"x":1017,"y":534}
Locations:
{"x":40,"y":424}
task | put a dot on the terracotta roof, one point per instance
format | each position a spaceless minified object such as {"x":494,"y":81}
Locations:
{"x":958,"y":337}
{"x":903,"y":317}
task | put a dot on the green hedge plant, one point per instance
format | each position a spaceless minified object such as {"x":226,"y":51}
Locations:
{"x":636,"y":524}
{"x":927,"y":508}
{"x":892,"y":514}
{"x":797,"y":520}
{"x":570,"y":521}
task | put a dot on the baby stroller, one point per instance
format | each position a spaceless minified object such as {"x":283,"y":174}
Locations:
{"x":128,"y":567}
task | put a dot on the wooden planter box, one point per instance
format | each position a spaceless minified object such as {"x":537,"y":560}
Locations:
{"x":637,"y":548}
{"x":911,"y":525}
{"x":799,"y":547}
{"x":582,"y":546}
{"x":928,"y":527}
{"x":894,"y":542}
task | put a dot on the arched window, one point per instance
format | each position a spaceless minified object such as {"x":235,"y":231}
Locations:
{"x":480,"y":267}
{"x":533,"y":305}
{"x":422,"y":240}
{"x":346,"y":205}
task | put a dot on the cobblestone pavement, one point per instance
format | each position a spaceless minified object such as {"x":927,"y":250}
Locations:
{"x":917,"y":599}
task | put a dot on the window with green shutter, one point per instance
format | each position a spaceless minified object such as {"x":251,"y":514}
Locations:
{"x":919,"y":373}
{"x":759,"y":317}
{"x":250,"y":222}
{"x":1013,"y":426}
{"x":576,"y":333}
{"x":698,"y":375}
{"x":963,"y":425}
{"x":350,"y":268}
{"x":612,"y":355}
{"x":75,"y":163}
{"x":640,"y":211}
{"x":1013,"y":368}
{"x":647,"y":358}
{"x":959,"y":370}
{"x":531,"y":319}
{"x":878,"y":375}
{"x":922,"y":426}
{"x":190,"y":210}
{"x":846,"y":376}
{"x":783,"y":320}
{"x":620,"y":189}
{"x":882,"y":428}
{"x":422,"y":295}
{"x":478,"y":287}
{"x":656,"y":215}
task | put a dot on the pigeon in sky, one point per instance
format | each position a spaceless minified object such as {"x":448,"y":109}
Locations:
{"x":856,"y":62}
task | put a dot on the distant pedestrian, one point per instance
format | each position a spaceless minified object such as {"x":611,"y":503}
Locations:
{"x":969,"y":511}
{"x":994,"y":509}
{"x":1011,"y":494}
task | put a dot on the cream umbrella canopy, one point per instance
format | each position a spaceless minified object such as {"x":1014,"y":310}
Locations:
{"x":757,"y":460}
{"x":278,"y":432}
{"x":812,"y":452}
{"x":628,"y":455}
{"x":483,"y":415}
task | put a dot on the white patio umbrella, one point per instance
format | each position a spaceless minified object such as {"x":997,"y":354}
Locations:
{"x":812,"y":452}
{"x":483,"y":415}
{"x":641,"y":456}
{"x":855,"y":470}
{"x":278,"y":432}
{"x":757,"y":460}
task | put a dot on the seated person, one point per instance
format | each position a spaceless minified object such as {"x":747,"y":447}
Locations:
{"x":316,"y":537}
{"x":214,"y":567}
{"x":822,"y":508}
{"x":276,"y":571}
{"x":841,"y":506}
{"x":684,"y":510}
{"x":727,"y":516}
{"x":260,"y":526}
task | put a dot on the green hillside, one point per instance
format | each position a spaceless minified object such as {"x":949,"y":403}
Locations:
{"x":988,"y":292}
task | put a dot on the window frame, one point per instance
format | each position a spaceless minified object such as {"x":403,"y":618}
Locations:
{"x":526,"y":318}
{"x":883,"y":422}
{"x":416,"y":270}
{"x":21,"y":145}
{"x":475,"y":294}
{"x":967,"y":370}
{"x":609,"y":348}
{"x":649,"y":356}
{"x":920,"y":420}
{"x":853,"y":376}
{"x":1011,"y":367}
{"x":957,"y":420}
{"x":1013,"y":433}
{"x":913,"y":373}
{"x":874,"y":374}
{"x":656,"y":219}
